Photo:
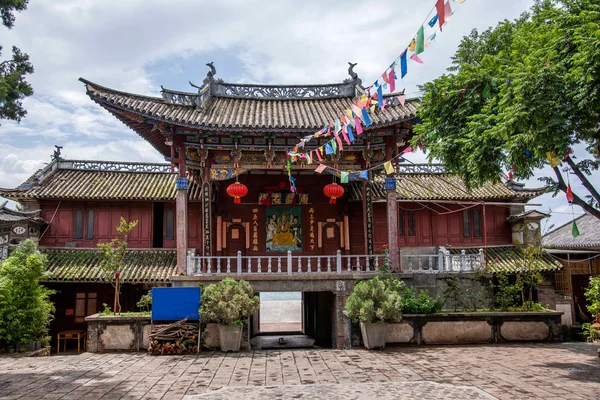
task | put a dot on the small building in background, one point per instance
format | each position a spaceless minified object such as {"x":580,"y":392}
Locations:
{"x":580,"y":256}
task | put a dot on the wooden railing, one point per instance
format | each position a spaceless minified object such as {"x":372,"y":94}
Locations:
{"x":290,"y":264}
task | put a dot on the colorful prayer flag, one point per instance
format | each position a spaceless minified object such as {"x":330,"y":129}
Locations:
{"x":553,"y":160}
{"x":574,"y":229}
{"x":350,"y":133}
{"x":403,"y":65}
{"x":420,"y":41}
{"x":366,"y":117}
{"x":433,"y":20}
{"x":308,"y":158}
{"x":343,"y":177}
{"x":319,"y":153}
{"x":389,"y":168}
{"x":447,"y":11}
{"x":358,"y":125}
{"x":407,"y":150}
{"x":412,"y":45}
{"x":380,"y":96}
{"x":338,"y":139}
{"x":333,"y":144}
{"x":392,"y":79}
{"x":570,"y":196}
{"x":337,"y":125}
{"x":416,"y":58}
{"x":439,"y":6}
{"x":364,"y":175}
{"x":320,"y":168}
{"x":402,"y":99}
{"x":328,"y":149}
{"x":345,"y":135}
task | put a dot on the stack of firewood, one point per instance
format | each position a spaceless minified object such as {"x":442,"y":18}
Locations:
{"x":177,"y":338}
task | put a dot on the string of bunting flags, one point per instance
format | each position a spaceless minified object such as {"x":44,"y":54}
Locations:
{"x":350,"y":122}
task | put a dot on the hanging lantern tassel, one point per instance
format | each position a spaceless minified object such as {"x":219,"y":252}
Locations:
{"x":237,"y":191}
{"x":333,"y":191}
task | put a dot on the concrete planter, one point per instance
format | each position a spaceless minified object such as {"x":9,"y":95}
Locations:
{"x":476,"y":327}
{"x":230,"y":337}
{"x":374,"y":335}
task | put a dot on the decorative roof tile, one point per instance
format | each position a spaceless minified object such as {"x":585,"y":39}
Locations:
{"x":562,"y":237}
{"x":510,"y":259}
{"x":86,"y":184}
{"x":9,"y":216}
{"x":83,"y":265}
{"x":233,"y":113}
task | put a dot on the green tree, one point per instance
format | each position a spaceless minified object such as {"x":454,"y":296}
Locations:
{"x":113,"y":258}
{"x":518,"y":95}
{"x":13,"y":86}
{"x":25,"y":308}
{"x":592,"y":295}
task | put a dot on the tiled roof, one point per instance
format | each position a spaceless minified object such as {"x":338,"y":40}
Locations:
{"x":83,"y":265}
{"x":510,"y":259}
{"x":438,"y":186}
{"x":562,"y":237}
{"x":9,"y":216}
{"x":103,"y":185}
{"x":225,"y":113}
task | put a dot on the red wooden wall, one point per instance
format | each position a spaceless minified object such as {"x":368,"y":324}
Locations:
{"x":434,"y":226}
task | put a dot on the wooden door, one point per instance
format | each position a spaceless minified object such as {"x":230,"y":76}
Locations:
{"x":236,"y":241}
{"x":330,"y":235}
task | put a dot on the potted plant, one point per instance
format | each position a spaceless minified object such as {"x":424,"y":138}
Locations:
{"x":374,"y":303}
{"x":227,"y":303}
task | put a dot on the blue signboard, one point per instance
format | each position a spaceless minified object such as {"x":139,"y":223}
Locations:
{"x":176,"y":303}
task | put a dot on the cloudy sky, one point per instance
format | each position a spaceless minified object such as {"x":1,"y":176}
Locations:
{"x":138,"y":45}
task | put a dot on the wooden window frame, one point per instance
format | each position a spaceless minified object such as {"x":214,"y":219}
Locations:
{"x":169,"y":220}
{"x":88,"y":298}
{"x":78,"y":223}
{"x":89,"y":232}
{"x":412,"y":225}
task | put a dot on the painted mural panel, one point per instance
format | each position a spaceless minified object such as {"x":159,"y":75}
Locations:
{"x":284,"y":229}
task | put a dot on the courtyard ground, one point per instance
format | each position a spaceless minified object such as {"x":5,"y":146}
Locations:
{"x":545,"y":371}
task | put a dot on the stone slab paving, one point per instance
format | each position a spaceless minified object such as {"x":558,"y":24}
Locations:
{"x":524,"y":371}
{"x":349,"y":391}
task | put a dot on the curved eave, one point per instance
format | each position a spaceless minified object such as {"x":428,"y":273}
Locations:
{"x":226,"y":114}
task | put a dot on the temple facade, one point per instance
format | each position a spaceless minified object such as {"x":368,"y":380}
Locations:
{"x":190,"y":229}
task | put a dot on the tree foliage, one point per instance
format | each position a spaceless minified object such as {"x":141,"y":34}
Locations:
{"x":517,"y":93}
{"x":592,"y":295}
{"x":13,"y":85}
{"x":113,"y":258}
{"x":25,"y":308}
{"x":374,"y":301}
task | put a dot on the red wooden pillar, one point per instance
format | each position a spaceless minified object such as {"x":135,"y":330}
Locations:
{"x":392,"y":217}
{"x":181,"y":213}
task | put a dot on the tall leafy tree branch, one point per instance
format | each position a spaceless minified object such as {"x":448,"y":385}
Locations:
{"x":13,"y":85}
{"x":518,"y":97}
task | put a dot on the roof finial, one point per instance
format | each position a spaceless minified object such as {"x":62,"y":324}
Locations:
{"x":351,"y":72}
{"x":56,"y":156}
{"x":210,"y":74}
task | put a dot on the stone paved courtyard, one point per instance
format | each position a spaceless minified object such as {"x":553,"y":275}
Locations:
{"x":548,"y":371}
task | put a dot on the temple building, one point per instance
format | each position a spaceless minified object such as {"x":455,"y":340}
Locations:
{"x":222,"y":203}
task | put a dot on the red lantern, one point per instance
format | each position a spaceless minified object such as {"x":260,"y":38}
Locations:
{"x":333,"y":191}
{"x":237,"y":191}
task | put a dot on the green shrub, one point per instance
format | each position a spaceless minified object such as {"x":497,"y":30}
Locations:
{"x":375,"y":300}
{"x":228,"y":302}
{"x":424,"y":304}
{"x":25,"y":308}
